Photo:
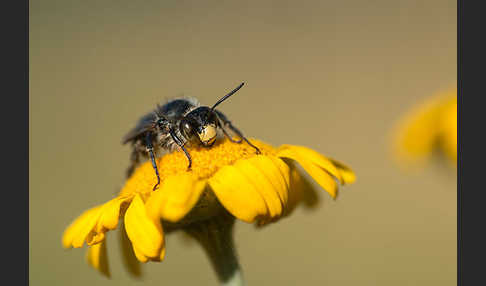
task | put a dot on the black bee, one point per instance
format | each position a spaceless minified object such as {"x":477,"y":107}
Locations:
{"x":178,"y":123}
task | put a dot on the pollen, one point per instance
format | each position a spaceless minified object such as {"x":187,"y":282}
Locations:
{"x":205,"y":162}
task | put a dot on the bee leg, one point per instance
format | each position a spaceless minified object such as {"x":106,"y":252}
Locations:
{"x":222,"y":118}
{"x":228,"y":123}
{"x":234,"y":129}
{"x":150,"y":150}
{"x":180,"y":144}
{"x":229,"y":137}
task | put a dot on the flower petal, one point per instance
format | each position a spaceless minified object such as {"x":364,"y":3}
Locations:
{"x":348,"y":176}
{"x":300,"y":153}
{"x":296,"y":191}
{"x":237,"y":194}
{"x":95,"y":238}
{"x":278,"y":173}
{"x":145,"y":233}
{"x":110,"y":214}
{"x":323,"y":178}
{"x":176,"y":196}
{"x":140,"y":256}
{"x":129,"y":259}
{"x":251,"y":169}
{"x":161,"y":255}
{"x":301,"y":190}
{"x":448,"y":128}
{"x":417,"y":132}
{"x":78,"y":231}
{"x":98,"y":258}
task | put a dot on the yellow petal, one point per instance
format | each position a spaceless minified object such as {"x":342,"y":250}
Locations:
{"x":129,"y":259}
{"x":84,"y":232}
{"x":449,"y":129}
{"x":162,"y":254}
{"x":323,"y":178}
{"x":300,"y":153}
{"x":78,"y":231}
{"x":237,"y":194}
{"x":417,"y":132}
{"x":95,"y":237}
{"x":160,"y":257}
{"x":176,"y":196}
{"x":278,"y":173}
{"x":145,"y":233}
{"x":347,"y":175}
{"x":98,"y":258}
{"x":140,"y":256}
{"x":296,"y":191}
{"x":301,"y":190}
{"x":110,"y":214}
{"x":270,"y":191}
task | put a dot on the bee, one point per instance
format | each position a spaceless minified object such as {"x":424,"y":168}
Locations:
{"x":179,"y":123}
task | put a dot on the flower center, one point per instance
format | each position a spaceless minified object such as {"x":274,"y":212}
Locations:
{"x":205,"y":162}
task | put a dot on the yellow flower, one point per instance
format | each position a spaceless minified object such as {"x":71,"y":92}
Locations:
{"x":227,"y":177}
{"x":429,"y":127}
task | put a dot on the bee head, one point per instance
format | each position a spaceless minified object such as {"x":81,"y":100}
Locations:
{"x":201,"y":123}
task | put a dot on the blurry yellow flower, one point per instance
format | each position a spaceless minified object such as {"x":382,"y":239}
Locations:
{"x":227,"y":177}
{"x":429,"y":127}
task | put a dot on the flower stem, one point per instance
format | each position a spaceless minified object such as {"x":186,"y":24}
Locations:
{"x":216,"y":237}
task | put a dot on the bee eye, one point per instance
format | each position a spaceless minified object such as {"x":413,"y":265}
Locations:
{"x":212,"y":118}
{"x":187,"y":127}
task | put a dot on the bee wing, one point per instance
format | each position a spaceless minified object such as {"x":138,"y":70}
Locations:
{"x":145,"y":124}
{"x":136,"y":132}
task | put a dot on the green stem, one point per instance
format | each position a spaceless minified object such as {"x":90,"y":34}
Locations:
{"x":216,"y":237}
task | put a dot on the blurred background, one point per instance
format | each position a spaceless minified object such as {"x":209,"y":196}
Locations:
{"x":331,"y":75}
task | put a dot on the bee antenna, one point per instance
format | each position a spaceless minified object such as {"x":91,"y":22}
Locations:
{"x":228,"y":95}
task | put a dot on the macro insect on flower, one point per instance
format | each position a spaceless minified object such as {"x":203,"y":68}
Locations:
{"x":202,"y":190}
{"x":176,"y":125}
